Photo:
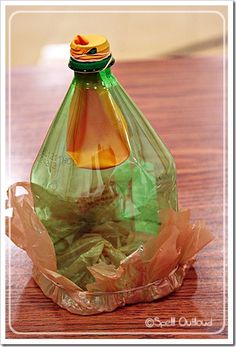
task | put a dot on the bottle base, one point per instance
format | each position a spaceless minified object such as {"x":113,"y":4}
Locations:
{"x":89,"y":303}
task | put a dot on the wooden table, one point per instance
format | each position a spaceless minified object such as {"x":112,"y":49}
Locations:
{"x":183,"y":100}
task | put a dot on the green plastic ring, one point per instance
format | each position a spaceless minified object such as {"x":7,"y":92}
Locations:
{"x":90,"y":66}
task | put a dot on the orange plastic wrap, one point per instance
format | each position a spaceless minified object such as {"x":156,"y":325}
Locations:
{"x":152,"y":271}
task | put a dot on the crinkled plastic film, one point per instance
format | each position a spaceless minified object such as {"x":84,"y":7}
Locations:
{"x":154,"y":269}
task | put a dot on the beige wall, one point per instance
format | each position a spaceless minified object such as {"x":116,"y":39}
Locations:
{"x":131,"y":35}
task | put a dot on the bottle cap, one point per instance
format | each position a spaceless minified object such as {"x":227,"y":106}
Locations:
{"x":89,"y":47}
{"x":90,"y":53}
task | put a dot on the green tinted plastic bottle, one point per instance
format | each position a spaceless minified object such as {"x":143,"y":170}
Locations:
{"x":101,"y":168}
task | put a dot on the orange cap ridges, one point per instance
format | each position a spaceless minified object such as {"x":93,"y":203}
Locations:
{"x":89,"y":47}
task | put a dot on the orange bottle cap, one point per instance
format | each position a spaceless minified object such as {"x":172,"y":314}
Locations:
{"x":89,"y":47}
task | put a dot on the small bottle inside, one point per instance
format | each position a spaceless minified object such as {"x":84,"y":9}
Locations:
{"x":97,"y":131}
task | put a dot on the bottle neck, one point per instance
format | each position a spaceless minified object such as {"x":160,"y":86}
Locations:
{"x":103,"y":77}
{"x":91,"y":66}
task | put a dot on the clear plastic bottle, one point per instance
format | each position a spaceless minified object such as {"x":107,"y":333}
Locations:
{"x":102,"y":173}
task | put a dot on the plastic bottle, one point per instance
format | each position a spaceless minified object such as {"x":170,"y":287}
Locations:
{"x":102,"y":173}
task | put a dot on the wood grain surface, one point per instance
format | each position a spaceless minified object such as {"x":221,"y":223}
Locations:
{"x":183,"y":99}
